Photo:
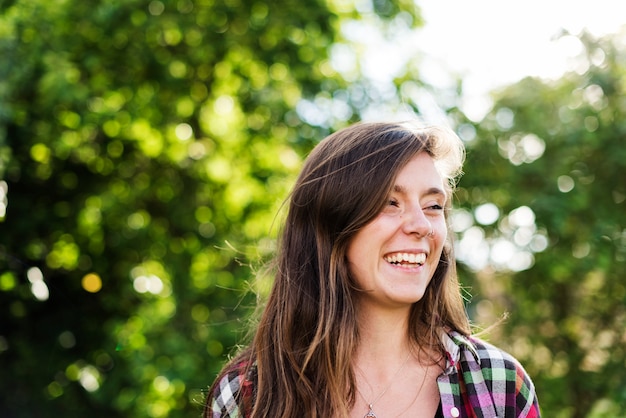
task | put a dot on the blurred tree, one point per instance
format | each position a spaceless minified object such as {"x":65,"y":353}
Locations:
{"x":542,"y":228}
{"x":144,"y":147}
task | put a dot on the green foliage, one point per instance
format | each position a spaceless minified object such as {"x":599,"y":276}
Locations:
{"x":145,"y":147}
{"x":557,"y":148}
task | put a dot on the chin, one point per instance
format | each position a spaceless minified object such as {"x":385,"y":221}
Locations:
{"x":407,"y":299}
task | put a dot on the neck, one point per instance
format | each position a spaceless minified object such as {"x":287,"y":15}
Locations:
{"x":383,"y":336}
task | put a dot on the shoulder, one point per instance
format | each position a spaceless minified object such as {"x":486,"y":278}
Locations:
{"x":493,"y":380}
{"x":492,"y":357}
{"x":508,"y":381}
{"x":232,"y":393}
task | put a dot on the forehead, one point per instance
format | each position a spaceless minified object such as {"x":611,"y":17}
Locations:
{"x":420,"y":174}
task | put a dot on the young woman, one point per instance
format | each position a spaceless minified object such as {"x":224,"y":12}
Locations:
{"x":365,"y":317}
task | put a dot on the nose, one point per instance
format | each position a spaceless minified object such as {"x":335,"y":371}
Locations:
{"x":416,"y":222}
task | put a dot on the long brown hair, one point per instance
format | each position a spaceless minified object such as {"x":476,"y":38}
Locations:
{"x":307,"y":334}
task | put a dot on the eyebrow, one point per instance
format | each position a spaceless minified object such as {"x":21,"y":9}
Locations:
{"x":433,"y":191}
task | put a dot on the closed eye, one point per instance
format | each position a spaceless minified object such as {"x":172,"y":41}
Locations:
{"x":392,"y":207}
{"x":434,"y":210}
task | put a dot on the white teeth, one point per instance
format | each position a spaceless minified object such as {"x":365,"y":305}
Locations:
{"x":408,"y":258}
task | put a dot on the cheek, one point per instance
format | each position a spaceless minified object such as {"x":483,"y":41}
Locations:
{"x":441,"y":236}
{"x":353,"y":255}
{"x":441,"y":228}
{"x":361,"y":254}
{"x":356,"y":271}
{"x":444,"y":234}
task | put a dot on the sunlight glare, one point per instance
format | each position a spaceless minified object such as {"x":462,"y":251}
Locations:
{"x":38,"y":287}
{"x":522,"y":216}
{"x":148,"y":284}
{"x":487,"y":214}
{"x":565,"y":184}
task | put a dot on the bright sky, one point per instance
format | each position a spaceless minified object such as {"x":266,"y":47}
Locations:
{"x":496,"y":42}
{"x":486,"y":43}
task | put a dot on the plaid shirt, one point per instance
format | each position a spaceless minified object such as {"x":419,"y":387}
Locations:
{"x":483,"y":381}
{"x":479,"y":381}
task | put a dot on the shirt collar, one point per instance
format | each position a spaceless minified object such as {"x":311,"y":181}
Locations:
{"x":453,"y":343}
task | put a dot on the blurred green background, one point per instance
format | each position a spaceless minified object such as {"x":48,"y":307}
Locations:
{"x":146,"y":148}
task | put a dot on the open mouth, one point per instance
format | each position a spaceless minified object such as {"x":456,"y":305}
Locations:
{"x":406,"y":259}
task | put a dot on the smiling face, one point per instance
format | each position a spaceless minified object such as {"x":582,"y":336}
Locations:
{"x":393,"y":258}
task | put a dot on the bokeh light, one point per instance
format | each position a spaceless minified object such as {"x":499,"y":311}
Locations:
{"x":92,"y":283}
